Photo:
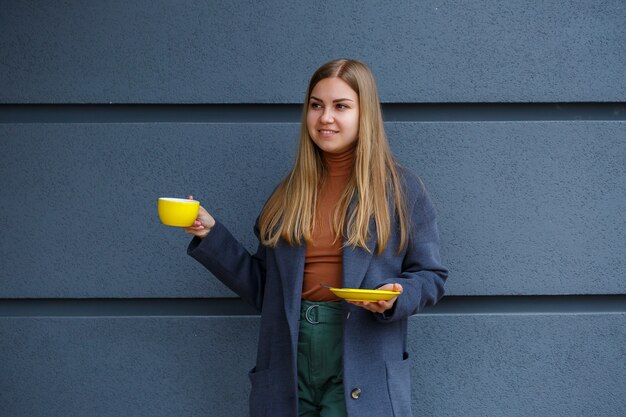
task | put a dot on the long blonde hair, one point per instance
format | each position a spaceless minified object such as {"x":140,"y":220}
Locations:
{"x":374,"y":187}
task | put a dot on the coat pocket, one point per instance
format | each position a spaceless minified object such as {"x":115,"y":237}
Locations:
{"x":399,"y":386}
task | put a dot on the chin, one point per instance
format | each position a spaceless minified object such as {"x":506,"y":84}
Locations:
{"x":331,"y":149}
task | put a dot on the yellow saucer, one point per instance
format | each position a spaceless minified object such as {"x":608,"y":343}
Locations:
{"x":358,"y":294}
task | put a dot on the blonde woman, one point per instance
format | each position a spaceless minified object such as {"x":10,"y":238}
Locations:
{"x":347,"y":215}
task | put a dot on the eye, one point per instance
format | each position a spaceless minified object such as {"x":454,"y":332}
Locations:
{"x":315,"y":105}
{"x":342,"y":106}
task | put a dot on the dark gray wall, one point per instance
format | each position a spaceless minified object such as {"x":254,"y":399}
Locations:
{"x":101,"y":311}
{"x":263,"y":52}
{"x":525,"y":207}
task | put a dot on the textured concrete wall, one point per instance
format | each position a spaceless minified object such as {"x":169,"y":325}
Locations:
{"x":530,"y":196}
{"x":475,"y":365}
{"x":519,"y":214}
{"x":251,"y":52}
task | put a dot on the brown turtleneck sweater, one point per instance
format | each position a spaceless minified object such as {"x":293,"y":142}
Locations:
{"x":323,"y":260}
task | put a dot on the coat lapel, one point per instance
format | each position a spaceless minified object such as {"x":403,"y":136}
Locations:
{"x":355,"y":264}
{"x":291,"y":271}
{"x":357,"y":260}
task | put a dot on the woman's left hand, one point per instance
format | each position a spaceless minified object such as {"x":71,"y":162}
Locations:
{"x":380,"y":306}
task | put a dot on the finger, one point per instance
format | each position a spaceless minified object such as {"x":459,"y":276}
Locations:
{"x":194,"y":229}
{"x":358,"y":303}
{"x":373,"y":307}
{"x":190,"y":197}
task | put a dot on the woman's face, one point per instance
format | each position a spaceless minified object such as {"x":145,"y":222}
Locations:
{"x":333,"y":115}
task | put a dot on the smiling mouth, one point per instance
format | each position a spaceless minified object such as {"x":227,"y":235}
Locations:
{"x":327,"y":132}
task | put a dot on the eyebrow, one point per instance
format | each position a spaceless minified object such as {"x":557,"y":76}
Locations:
{"x":334,"y":101}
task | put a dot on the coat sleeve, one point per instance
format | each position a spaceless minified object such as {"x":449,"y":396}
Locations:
{"x":423,"y":276}
{"x":231,"y":263}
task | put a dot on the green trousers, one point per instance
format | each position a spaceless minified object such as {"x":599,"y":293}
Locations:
{"x":320,"y":375}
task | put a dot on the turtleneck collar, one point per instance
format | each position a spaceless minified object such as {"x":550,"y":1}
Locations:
{"x":339,"y":164}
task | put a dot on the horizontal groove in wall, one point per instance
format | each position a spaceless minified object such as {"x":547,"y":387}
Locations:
{"x":290,"y":113}
{"x":456,"y":305}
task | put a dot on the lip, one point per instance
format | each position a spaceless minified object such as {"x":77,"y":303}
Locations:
{"x":327,"y":132}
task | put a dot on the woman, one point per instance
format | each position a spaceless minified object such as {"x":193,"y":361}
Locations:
{"x":346,"y":216}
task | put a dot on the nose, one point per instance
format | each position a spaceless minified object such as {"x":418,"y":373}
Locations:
{"x":327,"y":116}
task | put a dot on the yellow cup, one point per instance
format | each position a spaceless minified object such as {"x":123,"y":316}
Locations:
{"x":178,"y":211}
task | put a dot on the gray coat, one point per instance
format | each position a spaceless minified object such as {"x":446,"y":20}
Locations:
{"x":375,"y":362}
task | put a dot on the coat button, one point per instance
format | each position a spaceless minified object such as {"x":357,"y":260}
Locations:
{"x":356,"y":393}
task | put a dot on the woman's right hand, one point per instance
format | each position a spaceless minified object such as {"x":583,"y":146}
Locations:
{"x":202,"y":225}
